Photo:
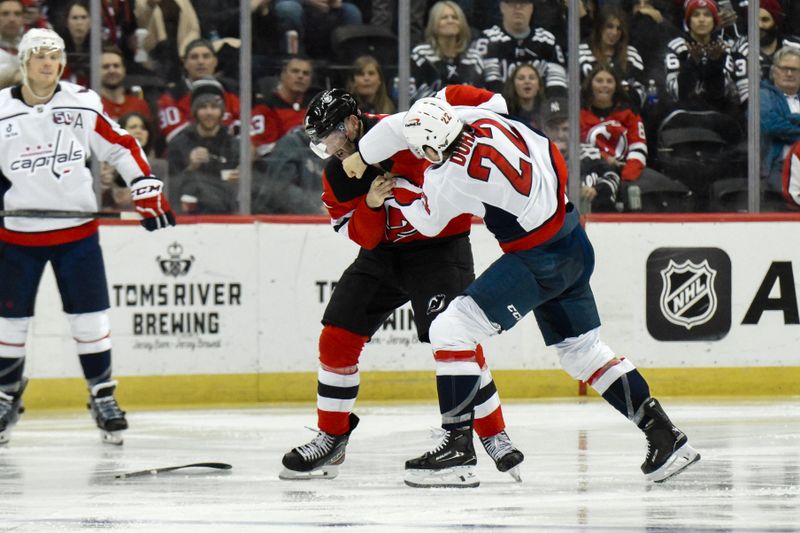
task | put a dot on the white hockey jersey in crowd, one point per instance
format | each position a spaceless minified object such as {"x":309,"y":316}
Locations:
{"x":43,"y":154}
{"x":502,"y":171}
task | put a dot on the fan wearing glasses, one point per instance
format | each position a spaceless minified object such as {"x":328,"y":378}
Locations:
{"x":780,"y":114}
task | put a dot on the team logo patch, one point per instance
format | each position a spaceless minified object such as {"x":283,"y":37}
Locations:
{"x":688,"y":294}
{"x":176,"y":264}
{"x":436,"y":304}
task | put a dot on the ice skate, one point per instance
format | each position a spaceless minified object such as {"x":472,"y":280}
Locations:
{"x":320,"y":458}
{"x":668,"y":450}
{"x":450,"y":464}
{"x":10,"y":409}
{"x":106,"y":412}
{"x":505,"y":456}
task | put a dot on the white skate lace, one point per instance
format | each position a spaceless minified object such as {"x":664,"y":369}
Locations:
{"x":317,"y":448}
{"x":107,"y":408}
{"x":497,"y":446}
{"x":442,"y":436}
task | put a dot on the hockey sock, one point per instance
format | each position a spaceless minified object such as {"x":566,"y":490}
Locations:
{"x":336,"y":396}
{"x":11,"y":374}
{"x":337,"y":378}
{"x":488,"y":413}
{"x":627,"y":394}
{"x":457,"y":382}
{"x":96,"y":367}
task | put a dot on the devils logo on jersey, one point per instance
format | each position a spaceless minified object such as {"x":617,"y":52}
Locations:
{"x":611,"y":137}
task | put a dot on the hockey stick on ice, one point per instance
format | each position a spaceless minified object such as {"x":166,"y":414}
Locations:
{"x":55,"y":213}
{"x":156,"y":471}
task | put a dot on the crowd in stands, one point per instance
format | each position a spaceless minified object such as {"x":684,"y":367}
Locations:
{"x":664,"y":88}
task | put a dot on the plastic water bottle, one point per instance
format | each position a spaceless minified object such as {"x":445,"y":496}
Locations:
{"x":652,"y":93}
{"x":634,"y":198}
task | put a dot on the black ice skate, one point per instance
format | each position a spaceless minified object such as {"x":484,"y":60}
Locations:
{"x":450,"y":464}
{"x":106,"y":412}
{"x":320,"y":458}
{"x":505,"y":456}
{"x":10,"y":409}
{"x":668,"y":450}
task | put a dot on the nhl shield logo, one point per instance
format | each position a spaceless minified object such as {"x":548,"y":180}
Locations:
{"x":688,"y":297}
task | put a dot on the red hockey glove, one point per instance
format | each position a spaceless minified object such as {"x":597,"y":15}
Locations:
{"x":150,"y":202}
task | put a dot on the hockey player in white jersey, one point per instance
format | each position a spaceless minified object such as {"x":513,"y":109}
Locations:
{"x":48,"y":130}
{"x":515,"y":179}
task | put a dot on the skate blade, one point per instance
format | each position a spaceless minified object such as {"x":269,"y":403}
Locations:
{"x":514,"y":472}
{"x":111,"y":437}
{"x":682,"y":459}
{"x":460,"y":477}
{"x":328,"y":472}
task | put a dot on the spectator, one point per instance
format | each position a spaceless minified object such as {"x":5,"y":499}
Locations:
{"x":384,"y":14}
{"x":503,"y":47}
{"x":204,"y":157}
{"x":699,"y":64}
{"x":174,"y":105}
{"x":115,"y":192}
{"x":780,"y":114}
{"x":293,"y":182}
{"x":651,"y":29}
{"x":283,"y":109}
{"x":524,"y":94}
{"x":368,"y":85}
{"x":75,"y":31}
{"x":218,"y":18}
{"x":321,"y":16}
{"x":171,"y":25}
{"x":10,"y":34}
{"x":445,"y":57}
{"x":600,"y":181}
{"x":608,"y":44}
{"x":277,"y":38}
{"x":119,"y":27}
{"x":116,"y":101}
{"x":33,"y":17}
{"x":609,"y":124}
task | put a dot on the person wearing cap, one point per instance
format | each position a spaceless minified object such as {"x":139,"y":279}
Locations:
{"x":175,"y":104}
{"x":772,"y":38}
{"x":517,"y":40}
{"x":204,"y":157}
{"x":600,"y":182}
{"x":699,"y":65}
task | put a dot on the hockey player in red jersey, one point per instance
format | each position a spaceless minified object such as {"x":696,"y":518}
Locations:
{"x":51,"y":129}
{"x":515,"y":179}
{"x":396,"y":264}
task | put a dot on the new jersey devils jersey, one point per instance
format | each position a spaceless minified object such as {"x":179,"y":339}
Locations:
{"x":43,"y":154}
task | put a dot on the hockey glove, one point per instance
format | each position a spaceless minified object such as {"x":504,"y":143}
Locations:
{"x":150,"y":202}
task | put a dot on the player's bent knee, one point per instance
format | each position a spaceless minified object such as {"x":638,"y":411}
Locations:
{"x":13,"y":334}
{"x":92,"y":331}
{"x":340,"y":348}
{"x":461,"y":326}
{"x":582,"y":356}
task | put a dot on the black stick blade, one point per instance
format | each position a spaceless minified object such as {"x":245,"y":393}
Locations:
{"x":156,"y":471}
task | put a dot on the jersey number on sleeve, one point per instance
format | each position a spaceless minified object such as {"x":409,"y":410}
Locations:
{"x":520,"y":179}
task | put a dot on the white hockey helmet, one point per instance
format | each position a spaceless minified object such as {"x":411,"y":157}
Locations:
{"x":37,"y":39}
{"x":431,"y":122}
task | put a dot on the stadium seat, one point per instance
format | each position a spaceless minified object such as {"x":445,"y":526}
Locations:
{"x":349,"y":42}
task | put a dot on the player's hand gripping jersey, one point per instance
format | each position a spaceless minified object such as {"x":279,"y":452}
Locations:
{"x":344,"y":197}
{"x":511,"y":176}
{"x":43,"y":154}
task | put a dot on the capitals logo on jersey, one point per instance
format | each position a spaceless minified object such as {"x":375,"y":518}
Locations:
{"x":611,"y":137}
{"x":60,"y":157}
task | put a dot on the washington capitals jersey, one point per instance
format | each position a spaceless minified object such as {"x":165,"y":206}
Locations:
{"x":511,"y":176}
{"x":43,"y":156}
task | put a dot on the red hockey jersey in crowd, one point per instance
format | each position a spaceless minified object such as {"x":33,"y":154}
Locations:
{"x":619,"y":134}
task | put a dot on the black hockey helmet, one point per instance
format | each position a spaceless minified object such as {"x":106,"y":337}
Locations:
{"x":326,"y":111}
